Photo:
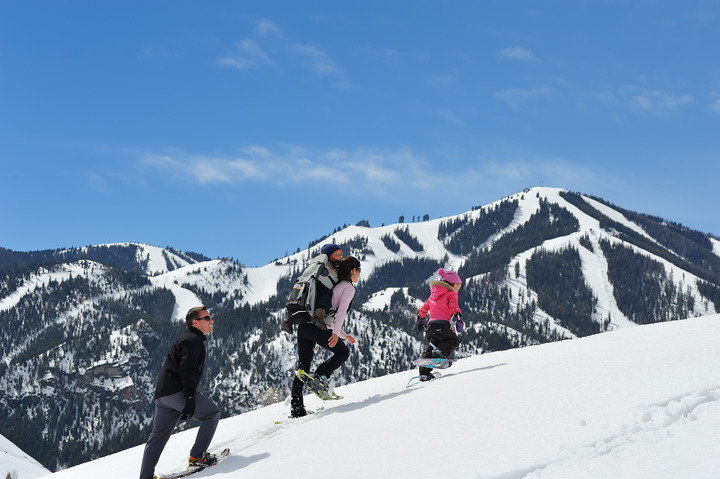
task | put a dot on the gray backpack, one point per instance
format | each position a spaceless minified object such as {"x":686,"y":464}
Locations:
{"x":300,"y":302}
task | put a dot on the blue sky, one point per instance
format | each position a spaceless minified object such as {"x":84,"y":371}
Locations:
{"x":248,"y":129}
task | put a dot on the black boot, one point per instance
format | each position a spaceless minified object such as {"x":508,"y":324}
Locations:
{"x":297,"y":409}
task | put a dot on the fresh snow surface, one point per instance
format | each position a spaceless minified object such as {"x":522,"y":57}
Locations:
{"x":12,"y":458}
{"x":640,"y":402}
{"x":716,"y":246}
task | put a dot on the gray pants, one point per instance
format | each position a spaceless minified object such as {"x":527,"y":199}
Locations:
{"x":167,"y":414}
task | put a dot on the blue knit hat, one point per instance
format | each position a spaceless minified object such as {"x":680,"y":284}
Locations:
{"x":329,"y":249}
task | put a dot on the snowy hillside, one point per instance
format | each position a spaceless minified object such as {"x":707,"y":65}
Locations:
{"x":78,"y":370}
{"x":433,"y":247}
{"x":13,"y":459}
{"x":634,"y":403}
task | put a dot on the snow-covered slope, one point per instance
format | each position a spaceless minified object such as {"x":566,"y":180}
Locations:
{"x":633,"y":403}
{"x":263,"y":280}
{"x":13,"y":459}
{"x":541,"y":265}
{"x":150,"y":259}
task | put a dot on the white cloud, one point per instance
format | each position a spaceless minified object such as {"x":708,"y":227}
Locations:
{"x":517,"y":53}
{"x":220,"y":170}
{"x":657,"y":101}
{"x":440,"y":81}
{"x":320,"y":62}
{"x":384,"y":54}
{"x":97,"y":182}
{"x":451,"y":118}
{"x":238,"y":63}
{"x":251,"y":56}
{"x":159,"y":161}
{"x":204,"y":169}
{"x":265,"y":28}
{"x":516,"y":97}
{"x":370,"y":170}
{"x":715,"y":105}
{"x":387,"y":174}
{"x":507,"y":175}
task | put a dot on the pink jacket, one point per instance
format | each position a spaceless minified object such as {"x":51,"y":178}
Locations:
{"x":342,"y":294}
{"x":442,"y":303}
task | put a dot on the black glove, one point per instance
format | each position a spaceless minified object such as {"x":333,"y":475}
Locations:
{"x":421,"y":324}
{"x":189,"y":408}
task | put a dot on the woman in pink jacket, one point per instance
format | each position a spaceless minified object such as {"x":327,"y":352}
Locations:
{"x":442,"y":318}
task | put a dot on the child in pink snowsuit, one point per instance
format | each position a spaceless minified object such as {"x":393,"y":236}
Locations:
{"x":442,"y":318}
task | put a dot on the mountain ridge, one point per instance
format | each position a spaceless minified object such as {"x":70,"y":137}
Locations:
{"x":541,"y":265}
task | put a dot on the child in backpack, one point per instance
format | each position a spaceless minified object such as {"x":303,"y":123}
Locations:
{"x":441,"y":316}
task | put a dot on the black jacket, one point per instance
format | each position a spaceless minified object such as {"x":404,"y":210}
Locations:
{"x":183,"y":367}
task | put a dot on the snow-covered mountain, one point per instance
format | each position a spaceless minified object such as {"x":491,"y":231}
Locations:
{"x":15,"y":462}
{"x":539,"y":266}
{"x":635,"y":403}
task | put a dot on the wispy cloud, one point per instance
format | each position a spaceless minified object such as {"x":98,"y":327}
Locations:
{"x":250,"y":56}
{"x":378,"y":171}
{"x":381,"y":173}
{"x":440,"y":81}
{"x":97,"y":182}
{"x":319,"y":61}
{"x":384,"y":54}
{"x":715,"y":102}
{"x":161,"y":52}
{"x":517,"y":53}
{"x":657,"y":101}
{"x":265,"y":28}
{"x":643,"y":100}
{"x":517,"y":97}
{"x":452,"y":118}
{"x":204,"y":169}
{"x":505,"y":175}
{"x":252,"y":53}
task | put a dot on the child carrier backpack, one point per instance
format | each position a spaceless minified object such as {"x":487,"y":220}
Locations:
{"x":300,"y":304}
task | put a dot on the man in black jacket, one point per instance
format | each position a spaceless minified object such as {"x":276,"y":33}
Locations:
{"x":176,"y":396}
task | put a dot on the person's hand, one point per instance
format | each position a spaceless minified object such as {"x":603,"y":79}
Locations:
{"x":333,"y":340}
{"x":421,"y":324}
{"x":459,"y":324}
{"x":189,"y":408}
{"x":350,"y":338}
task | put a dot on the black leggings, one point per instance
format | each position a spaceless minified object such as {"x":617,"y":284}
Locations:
{"x":308,"y":336}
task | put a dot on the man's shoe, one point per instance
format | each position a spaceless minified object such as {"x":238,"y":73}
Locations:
{"x":205,"y":460}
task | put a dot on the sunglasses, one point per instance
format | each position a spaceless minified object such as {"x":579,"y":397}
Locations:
{"x":205,"y":318}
